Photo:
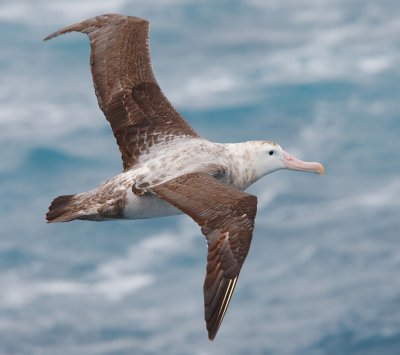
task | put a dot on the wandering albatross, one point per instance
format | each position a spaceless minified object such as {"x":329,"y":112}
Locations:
{"x":168,"y":168}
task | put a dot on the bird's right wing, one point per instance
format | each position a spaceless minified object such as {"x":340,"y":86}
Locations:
{"x":226,"y":217}
{"x":126,"y":89}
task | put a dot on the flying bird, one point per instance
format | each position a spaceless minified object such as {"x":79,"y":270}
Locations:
{"x":168,"y":168}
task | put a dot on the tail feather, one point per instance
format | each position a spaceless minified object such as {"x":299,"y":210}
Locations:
{"x":62,"y":209}
{"x":83,"y":206}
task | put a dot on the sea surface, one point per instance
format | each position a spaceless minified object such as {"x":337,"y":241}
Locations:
{"x":320,"y":77}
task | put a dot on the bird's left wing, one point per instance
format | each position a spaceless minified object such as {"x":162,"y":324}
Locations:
{"x":226,"y":217}
{"x":126,"y":89}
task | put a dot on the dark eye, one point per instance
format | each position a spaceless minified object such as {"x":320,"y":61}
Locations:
{"x":271,"y":152}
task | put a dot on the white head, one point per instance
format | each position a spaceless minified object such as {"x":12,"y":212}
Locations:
{"x":269,"y":157}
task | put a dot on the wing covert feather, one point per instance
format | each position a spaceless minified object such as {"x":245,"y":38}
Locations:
{"x":226,"y":217}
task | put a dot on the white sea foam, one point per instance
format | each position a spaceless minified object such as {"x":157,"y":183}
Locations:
{"x":22,"y":290}
{"x":283,"y":56}
{"x":42,"y":12}
{"x":113,"y":279}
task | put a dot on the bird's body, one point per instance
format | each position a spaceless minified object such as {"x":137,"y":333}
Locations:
{"x":167,"y":167}
{"x":173,"y":159}
{"x":234,"y":164}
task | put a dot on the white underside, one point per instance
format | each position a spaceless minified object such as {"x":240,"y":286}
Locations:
{"x":168,"y":160}
{"x":147,"y":206}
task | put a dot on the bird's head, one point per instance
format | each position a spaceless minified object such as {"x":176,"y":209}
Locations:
{"x":271,"y":157}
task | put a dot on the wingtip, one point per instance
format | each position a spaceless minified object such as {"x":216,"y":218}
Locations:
{"x":212,"y":331}
{"x":75,"y":27}
{"x":86,"y":26}
{"x":57,"y":33}
{"x":48,"y":37}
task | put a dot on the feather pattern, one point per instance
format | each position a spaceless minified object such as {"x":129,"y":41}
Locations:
{"x":126,"y":89}
{"x":226,"y":217}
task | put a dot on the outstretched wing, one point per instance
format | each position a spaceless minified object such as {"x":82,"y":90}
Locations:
{"x":226,"y":217}
{"x":126,"y":89}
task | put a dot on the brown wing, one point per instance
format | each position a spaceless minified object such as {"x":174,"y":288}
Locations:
{"x":226,"y":217}
{"x":126,"y":89}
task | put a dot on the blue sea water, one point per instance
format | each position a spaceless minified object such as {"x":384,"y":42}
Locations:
{"x":321,"y":78}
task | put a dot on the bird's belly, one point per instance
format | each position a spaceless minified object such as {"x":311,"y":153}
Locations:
{"x":147,"y":206}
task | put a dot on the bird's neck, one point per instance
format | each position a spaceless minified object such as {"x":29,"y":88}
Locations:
{"x":242,"y":164}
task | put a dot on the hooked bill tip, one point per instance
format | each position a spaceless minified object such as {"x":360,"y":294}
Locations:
{"x":320,"y":169}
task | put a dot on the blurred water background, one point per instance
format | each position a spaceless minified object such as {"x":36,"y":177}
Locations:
{"x":322,"y":277}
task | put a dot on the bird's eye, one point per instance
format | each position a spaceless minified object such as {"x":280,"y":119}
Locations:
{"x":271,"y":152}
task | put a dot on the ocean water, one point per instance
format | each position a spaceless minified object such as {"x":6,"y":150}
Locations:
{"x":321,"y":78}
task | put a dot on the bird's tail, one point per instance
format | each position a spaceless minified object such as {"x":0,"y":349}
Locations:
{"x":63,"y":209}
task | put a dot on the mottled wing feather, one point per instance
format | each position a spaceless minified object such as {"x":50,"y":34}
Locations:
{"x":226,"y":217}
{"x":126,"y":89}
